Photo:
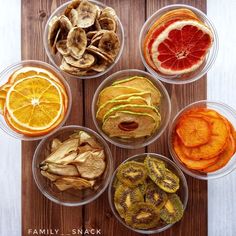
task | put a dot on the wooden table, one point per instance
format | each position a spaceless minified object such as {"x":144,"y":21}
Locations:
{"x":40,"y":213}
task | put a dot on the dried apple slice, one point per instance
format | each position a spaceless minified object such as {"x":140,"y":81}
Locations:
{"x":223,"y":157}
{"x":193,"y":131}
{"x":216,"y":144}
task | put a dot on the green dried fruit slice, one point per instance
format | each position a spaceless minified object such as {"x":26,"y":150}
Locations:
{"x":173,"y":209}
{"x":142,"y":215}
{"x":132,"y":173}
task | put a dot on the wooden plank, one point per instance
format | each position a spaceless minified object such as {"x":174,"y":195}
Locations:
{"x":132,"y":14}
{"x":37,"y":211}
{"x":194,"y":222}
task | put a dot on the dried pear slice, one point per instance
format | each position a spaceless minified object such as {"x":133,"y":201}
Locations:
{"x":170,"y":182}
{"x":50,"y":176}
{"x":57,"y":169}
{"x":77,"y":41}
{"x":65,"y":26}
{"x":73,"y":5}
{"x":155,"y":195}
{"x":92,"y":168}
{"x":65,"y":148}
{"x":53,"y":28}
{"x":62,"y":48}
{"x":132,"y":173}
{"x":87,"y":14}
{"x":73,"y":182}
{"x":109,"y":43}
{"x":156,"y":169}
{"x":142,"y":215}
{"x":107,"y":24}
{"x":173,"y":209}
{"x":85,"y":61}
{"x":55,"y":144}
{"x":125,"y":197}
{"x":82,"y":157}
{"x":126,"y":125}
{"x":67,"y":159}
{"x":114,"y":103}
{"x":85,"y":138}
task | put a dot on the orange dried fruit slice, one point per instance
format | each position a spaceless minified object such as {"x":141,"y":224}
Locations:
{"x":193,"y":131}
{"x":181,"y":47}
{"x":2,"y":105}
{"x":216,"y":144}
{"x":191,"y":164}
{"x":223,"y":157}
{"x":34,"y":104}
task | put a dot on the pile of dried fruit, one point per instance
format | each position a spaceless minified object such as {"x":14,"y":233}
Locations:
{"x":77,"y":162}
{"x":145,"y":194}
{"x":129,"y":108}
{"x":85,"y":37}
{"x":204,"y":140}
{"x":177,"y":43}
{"x":33,"y":101}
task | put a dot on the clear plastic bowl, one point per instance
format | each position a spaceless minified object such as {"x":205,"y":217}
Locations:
{"x":182,"y":192}
{"x":164,"y":109}
{"x":4,"y":76}
{"x":70,"y":197}
{"x":56,"y":59}
{"x":224,"y":110}
{"x":189,"y":77}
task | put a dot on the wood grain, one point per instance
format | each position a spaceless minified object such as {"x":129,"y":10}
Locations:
{"x":37,"y":211}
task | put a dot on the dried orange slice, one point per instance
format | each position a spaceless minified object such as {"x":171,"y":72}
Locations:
{"x":34,"y":104}
{"x":191,"y":164}
{"x":2,"y":105}
{"x":193,"y":131}
{"x":181,"y":47}
{"x":224,"y":157}
{"x":216,"y":144}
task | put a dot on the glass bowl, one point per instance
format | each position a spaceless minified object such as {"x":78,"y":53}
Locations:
{"x":164,"y":109}
{"x":188,"y":77}
{"x":182,"y":192}
{"x":56,"y":60}
{"x":70,"y":197}
{"x":224,"y":110}
{"x":4,"y":76}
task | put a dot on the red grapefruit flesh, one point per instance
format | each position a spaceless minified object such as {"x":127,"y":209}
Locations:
{"x":181,"y":47}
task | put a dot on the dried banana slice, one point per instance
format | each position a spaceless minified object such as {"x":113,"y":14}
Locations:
{"x":74,"y":17}
{"x":77,"y":41}
{"x":87,"y":14}
{"x":65,"y":26}
{"x":62,"y":48}
{"x":73,"y":5}
{"x":108,"y":12}
{"x":84,"y":62}
{"x":107,"y":23}
{"x":53,"y":28}
{"x":109,"y":43}
{"x":90,"y":34}
{"x":97,"y":25}
{"x":100,"y":53}
{"x":100,"y":65}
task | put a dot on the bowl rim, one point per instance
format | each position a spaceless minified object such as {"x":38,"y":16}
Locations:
{"x":24,"y":63}
{"x":172,"y":152}
{"x":48,"y":53}
{"x":165,"y":94}
{"x":215,"y":46}
{"x":170,"y":162}
{"x":110,"y":163}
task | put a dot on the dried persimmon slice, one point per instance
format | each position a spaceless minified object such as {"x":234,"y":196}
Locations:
{"x":216,"y":144}
{"x":191,"y":164}
{"x":193,"y":131}
{"x":223,"y":157}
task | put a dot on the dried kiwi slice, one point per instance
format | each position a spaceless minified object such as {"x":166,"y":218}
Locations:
{"x":142,"y":215}
{"x":170,"y":182}
{"x":156,"y":168}
{"x":156,"y":196}
{"x":173,"y":209}
{"x":132,"y":173}
{"x":125,"y":197}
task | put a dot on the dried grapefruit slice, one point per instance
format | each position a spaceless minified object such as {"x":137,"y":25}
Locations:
{"x":34,"y":104}
{"x":181,"y":47}
{"x":193,"y":131}
{"x":224,"y":157}
{"x":216,"y":144}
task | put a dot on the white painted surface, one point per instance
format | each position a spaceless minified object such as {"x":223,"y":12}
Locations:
{"x":222,"y":86}
{"x":10,"y":149}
